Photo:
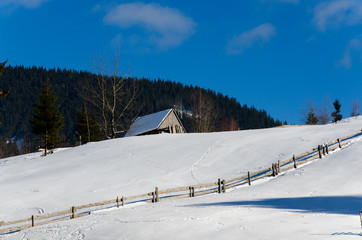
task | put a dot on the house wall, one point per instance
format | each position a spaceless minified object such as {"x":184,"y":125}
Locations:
{"x":172,"y":122}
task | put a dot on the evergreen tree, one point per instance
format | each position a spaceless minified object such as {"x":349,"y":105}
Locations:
{"x":3,"y":92}
{"x":46,"y":121}
{"x":2,"y":67}
{"x":311,"y":117}
{"x":337,"y":116}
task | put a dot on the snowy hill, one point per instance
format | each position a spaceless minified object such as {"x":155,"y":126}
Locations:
{"x":319,"y":201}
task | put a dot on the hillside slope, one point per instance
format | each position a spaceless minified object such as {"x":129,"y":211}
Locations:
{"x":317,"y":201}
{"x":135,"y":165}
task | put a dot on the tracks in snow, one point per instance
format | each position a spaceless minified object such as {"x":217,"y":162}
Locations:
{"x":197,"y":162}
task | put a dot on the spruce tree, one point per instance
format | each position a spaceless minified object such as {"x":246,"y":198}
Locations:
{"x":311,"y":117}
{"x":337,"y":116}
{"x":46,"y":120}
{"x":2,"y":67}
{"x":3,"y":93}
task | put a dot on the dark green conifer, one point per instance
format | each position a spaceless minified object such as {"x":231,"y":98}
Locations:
{"x":337,"y":116}
{"x":311,"y":117}
{"x":46,"y":120}
{"x":3,"y":93}
{"x":2,"y":67}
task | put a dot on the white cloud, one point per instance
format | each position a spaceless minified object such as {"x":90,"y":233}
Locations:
{"x":338,"y":13}
{"x":353,"y":46}
{"x":248,"y":39}
{"x":21,"y":3}
{"x":165,"y":27}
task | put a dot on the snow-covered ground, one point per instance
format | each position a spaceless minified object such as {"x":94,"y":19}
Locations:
{"x":318,"y":201}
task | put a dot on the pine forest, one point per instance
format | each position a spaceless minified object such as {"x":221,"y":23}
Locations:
{"x":82,"y":96}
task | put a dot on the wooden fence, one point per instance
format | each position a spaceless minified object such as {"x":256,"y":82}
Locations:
{"x":219,"y":186}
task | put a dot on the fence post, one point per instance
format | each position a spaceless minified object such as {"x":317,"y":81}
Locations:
{"x":324,"y":150}
{"x":223,"y":185}
{"x":193,"y":191}
{"x":278,"y":166}
{"x":249,"y":180}
{"x":339,"y":142}
{"x":219,"y":185}
{"x":32,"y":221}
{"x":327,"y":150}
{"x":319,"y":151}
{"x":122,"y":199}
{"x":274,"y":172}
{"x":274,"y":169}
{"x":156,"y":192}
{"x":73,"y":209}
{"x":295,"y":164}
{"x":190,"y":188}
{"x":153,"y":197}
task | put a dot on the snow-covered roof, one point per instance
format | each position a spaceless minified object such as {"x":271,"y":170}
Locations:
{"x":147,"y":123}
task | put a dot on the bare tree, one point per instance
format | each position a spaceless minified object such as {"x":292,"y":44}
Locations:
{"x":87,"y":123}
{"x":355,"y":109}
{"x":230,"y":124}
{"x":112,"y":95}
{"x":96,"y":93}
{"x":117,"y":101}
{"x":324,"y":111}
{"x":87,"y":126}
{"x":204,"y":112}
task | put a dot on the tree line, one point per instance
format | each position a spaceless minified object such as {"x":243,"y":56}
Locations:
{"x":324,"y":114}
{"x":103,"y":104}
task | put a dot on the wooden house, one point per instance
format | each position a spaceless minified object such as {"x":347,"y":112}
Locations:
{"x":165,"y":121}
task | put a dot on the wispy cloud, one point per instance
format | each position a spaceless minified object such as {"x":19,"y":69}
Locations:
{"x":164,"y":27}
{"x":353,"y":46}
{"x":337,"y":13}
{"x":248,"y":39}
{"x":21,"y":3}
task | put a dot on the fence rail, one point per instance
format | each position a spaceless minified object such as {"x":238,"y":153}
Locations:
{"x":179,"y":192}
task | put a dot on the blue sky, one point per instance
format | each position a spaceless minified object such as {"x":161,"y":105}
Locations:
{"x":273,"y":54}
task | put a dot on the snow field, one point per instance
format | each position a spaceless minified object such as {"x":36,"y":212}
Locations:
{"x":318,"y":201}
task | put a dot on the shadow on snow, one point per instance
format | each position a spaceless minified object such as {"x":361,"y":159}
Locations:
{"x":324,"y":204}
